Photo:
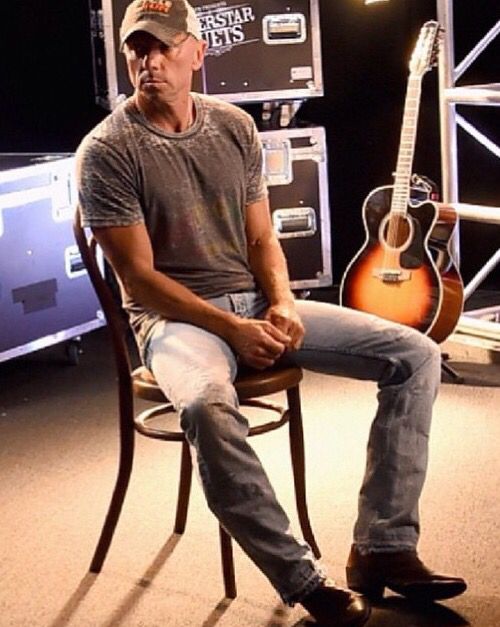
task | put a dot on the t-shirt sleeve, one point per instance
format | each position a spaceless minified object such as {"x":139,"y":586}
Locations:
{"x":107,"y":186}
{"x":256,"y":185}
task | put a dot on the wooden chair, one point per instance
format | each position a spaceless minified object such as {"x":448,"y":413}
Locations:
{"x":140,"y":383}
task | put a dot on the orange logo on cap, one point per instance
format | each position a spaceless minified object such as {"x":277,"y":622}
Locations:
{"x":157,"y":6}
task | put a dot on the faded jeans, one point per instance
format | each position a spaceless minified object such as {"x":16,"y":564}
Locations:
{"x":196,"y":369}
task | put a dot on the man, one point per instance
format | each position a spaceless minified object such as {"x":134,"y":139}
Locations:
{"x":171,"y":184}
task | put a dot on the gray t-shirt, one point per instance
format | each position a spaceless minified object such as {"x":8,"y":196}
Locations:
{"x":190,"y":189}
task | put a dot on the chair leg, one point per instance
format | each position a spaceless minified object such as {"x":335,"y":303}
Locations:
{"x":184,"y":489}
{"x":226,"y":549}
{"x":298,"y":465}
{"x":115,"y":507}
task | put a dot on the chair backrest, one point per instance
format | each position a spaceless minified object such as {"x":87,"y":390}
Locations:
{"x":116,"y":321}
{"x":130,"y":382}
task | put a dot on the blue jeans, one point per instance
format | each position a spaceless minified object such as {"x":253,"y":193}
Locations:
{"x":196,"y":369}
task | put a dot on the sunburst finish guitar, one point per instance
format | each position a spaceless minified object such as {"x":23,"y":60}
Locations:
{"x":404,"y":271}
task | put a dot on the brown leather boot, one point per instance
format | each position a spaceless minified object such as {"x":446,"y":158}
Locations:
{"x":337,"y":607}
{"x":401,"y":572}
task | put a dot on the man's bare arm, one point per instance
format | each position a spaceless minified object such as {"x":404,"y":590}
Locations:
{"x":269,"y":267}
{"x":129,"y":251}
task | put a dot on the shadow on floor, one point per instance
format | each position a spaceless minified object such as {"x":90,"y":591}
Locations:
{"x":399,"y":612}
{"x":217,"y":613}
{"x":75,"y":600}
{"x":71,"y":606}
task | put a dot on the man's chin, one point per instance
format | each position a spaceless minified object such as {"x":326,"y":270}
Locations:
{"x":152,"y":91}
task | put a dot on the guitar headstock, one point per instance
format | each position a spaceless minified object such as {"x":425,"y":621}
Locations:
{"x":426,"y":50}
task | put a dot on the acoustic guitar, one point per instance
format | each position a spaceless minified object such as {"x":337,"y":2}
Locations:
{"x":405,"y":271}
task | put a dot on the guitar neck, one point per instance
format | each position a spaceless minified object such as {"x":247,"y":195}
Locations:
{"x":401,"y":193}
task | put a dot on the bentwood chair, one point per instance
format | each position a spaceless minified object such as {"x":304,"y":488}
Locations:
{"x":139,"y":383}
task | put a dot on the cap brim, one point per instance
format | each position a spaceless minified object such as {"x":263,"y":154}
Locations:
{"x":165,"y":35}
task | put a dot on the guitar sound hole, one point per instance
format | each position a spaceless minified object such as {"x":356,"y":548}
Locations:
{"x":397,"y":232}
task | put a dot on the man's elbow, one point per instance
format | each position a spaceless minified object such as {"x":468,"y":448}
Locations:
{"x":264,"y":242}
{"x":136,"y":284}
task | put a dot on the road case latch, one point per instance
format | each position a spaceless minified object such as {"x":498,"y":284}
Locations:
{"x":287,"y":28}
{"x":295,"y":222}
{"x":278,"y":161}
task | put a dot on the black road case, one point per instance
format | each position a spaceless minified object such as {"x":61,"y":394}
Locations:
{"x":260,"y":50}
{"x":45,"y":293}
{"x":295,"y":166}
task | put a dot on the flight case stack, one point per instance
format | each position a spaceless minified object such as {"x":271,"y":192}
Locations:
{"x":259,"y":51}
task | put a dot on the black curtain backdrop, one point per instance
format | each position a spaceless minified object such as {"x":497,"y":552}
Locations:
{"x":47,"y":102}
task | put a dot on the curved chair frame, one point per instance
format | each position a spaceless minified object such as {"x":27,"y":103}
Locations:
{"x":141,"y":383}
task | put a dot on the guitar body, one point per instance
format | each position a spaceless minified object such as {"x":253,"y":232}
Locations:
{"x":453,"y":289}
{"x":400,"y":280}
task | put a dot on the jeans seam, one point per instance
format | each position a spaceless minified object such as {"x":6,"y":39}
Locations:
{"x":313,"y":581}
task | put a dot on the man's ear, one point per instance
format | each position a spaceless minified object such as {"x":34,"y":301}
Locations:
{"x":199,"y":55}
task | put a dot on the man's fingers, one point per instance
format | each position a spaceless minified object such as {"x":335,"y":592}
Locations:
{"x":297,"y":336}
{"x":278,"y":334}
{"x":260,"y":343}
{"x":289,"y":323}
{"x":292,"y":330}
{"x":271,"y":349}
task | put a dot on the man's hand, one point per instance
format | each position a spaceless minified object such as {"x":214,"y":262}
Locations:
{"x":285,"y":318}
{"x":258,"y":343}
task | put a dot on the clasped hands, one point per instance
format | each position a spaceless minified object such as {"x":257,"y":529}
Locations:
{"x":260,"y":343}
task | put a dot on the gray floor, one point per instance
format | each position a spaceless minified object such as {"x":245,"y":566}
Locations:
{"x":58,"y":449}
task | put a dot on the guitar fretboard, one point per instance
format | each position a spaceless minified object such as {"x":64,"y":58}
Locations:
{"x":401,"y":192}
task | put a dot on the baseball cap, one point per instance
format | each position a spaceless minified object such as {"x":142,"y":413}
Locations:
{"x":163,"y":19}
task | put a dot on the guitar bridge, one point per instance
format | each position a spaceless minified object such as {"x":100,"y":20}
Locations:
{"x":392,"y":276}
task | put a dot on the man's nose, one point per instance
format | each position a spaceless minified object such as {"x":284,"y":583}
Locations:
{"x":151,"y":58}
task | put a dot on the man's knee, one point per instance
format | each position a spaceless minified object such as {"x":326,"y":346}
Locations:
{"x":414,"y":352}
{"x":425,"y":358}
{"x":212,"y":415}
{"x":426,"y":351}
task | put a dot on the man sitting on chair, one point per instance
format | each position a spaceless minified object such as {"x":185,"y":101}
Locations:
{"x":171,"y":184}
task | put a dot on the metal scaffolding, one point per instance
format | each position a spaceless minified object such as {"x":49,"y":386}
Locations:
{"x":481,"y":323}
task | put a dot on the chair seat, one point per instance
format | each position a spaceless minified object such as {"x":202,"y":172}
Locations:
{"x":250,"y":386}
{"x":249,"y":383}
